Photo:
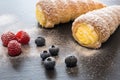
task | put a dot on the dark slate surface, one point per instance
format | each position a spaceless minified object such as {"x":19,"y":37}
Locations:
{"x":101,"y":64}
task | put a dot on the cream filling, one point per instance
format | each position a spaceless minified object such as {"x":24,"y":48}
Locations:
{"x":86,"y":35}
{"x":40,"y":16}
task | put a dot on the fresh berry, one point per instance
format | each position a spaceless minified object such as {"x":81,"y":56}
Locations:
{"x":14,"y":48}
{"x":40,"y":41}
{"x":54,"y":50}
{"x":23,"y":37}
{"x":49,"y":63}
{"x":71,"y":61}
{"x":6,"y":37}
{"x":44,"y":55}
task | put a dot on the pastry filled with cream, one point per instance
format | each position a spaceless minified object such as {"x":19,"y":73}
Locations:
{"x":92,"y":29}
{"x":52,"y":12}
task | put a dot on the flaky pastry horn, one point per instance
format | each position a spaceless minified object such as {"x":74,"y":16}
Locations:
{"x":95,"y":27}
{"x":52,"y":12}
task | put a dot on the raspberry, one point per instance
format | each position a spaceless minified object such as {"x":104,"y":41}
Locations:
{"x":6,"y":37}
{"x":23,"y":37}
{"x":14,"y":48}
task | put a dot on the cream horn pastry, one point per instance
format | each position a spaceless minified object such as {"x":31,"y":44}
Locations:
{"x":95,"y":27}
{"x":52,"y":12}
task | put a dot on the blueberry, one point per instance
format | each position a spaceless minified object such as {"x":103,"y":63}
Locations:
{"x":40,"y":41}
{"x":49,"y":63}
{"x":53,"y":50}
{"x":44,"y":55}
{"x":71,"y":61}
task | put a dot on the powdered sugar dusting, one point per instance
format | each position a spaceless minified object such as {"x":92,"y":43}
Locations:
{"x":62,"y":11}
{"x":105,"y":21}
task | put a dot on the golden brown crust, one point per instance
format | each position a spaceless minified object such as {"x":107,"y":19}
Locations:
{"x":61,"y":11}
